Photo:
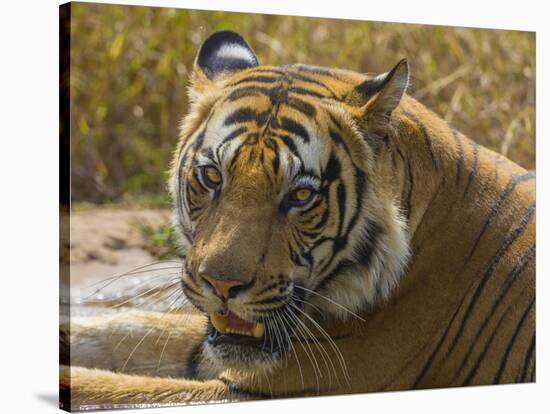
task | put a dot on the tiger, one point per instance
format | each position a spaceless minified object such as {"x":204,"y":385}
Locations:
{"x":341,"y":238}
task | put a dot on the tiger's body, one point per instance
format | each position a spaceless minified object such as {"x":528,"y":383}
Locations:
{"x":430,"y":239}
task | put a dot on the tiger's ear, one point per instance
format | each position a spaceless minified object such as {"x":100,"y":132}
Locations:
{"x":224,"y":52}
{"x":380,"y":95}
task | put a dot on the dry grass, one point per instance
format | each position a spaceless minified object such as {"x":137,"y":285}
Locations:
{"x":130,"y":66}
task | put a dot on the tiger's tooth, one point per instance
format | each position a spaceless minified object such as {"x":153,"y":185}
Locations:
{"x":219,"y":322}
{"x":258,"y":330}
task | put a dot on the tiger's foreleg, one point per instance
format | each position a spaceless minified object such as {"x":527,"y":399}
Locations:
{"x":135,"y":342}
{"x":85,"y":386}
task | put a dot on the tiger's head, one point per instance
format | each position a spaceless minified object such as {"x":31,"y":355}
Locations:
{"x":283,"y":197}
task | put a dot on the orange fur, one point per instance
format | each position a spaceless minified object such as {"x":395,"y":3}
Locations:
{"x":463,"y":313}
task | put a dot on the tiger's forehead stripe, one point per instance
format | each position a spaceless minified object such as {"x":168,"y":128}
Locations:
{"x":277,"y":95}
{"x":307,"y":80}
{"x":272,"y":108}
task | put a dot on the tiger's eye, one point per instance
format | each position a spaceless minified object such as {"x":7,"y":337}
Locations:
{"x":211,"y":176}
{"x":303,"y":194}
{"x":300,"y":197}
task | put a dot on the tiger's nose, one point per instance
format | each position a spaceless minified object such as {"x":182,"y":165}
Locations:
{"x":223,"y":288}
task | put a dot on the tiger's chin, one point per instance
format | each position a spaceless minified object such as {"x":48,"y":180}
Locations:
{"x":244,"y":352}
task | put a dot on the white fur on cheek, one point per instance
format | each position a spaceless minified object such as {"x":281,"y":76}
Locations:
{"x":362,"y":286}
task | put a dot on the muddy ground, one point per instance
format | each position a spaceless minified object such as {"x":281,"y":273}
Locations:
{"x":107,"y":243}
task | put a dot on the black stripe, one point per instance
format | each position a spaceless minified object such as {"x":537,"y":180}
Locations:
{"x":477,"y":364}
{"x":338,"y":269}
{"x":429,"y":144}
{"x":333,"y":169}
{"x":432,"y":356}
{"x":341,"y":201}
{"x":258,"y":79}
{"x":199,"y":140}
{"x":278,"y":95}
{"x":336,"y":137}
{"x":475,"y":166}
{"x":315,"y":70}
{"x":410,"y":191}
{"x":208,"y":153}
{"x":246,"y":114}
{"x":294,"y":127}
{"x":232,"y":135}
{"x":341,"y":241}
{"x":297,"y":237}
{"x":235,"y":157}
{"x":408,"y":198}
{"x":193,"y":146}
{"x":520,"y":266}
{"x":291,"y":146}
{"x":492,"y":266}
{"x":365,"y":248}
{"x":191,"y":189}
{"x":335,"y":121}
{"x":313,"y":206}
{"x":427,"y":138}
{"x":275,"y":163}
{"x":204,"y":124}
{"x":303,"y":91}
{"x":460,"y":161}
{"x":311,"y":218}
{"x":302,"y":106}
{"x":528,"y":358}
{"x":198,"y":180}
{"x":268,"y":301}
{"x":514,"y":181}
{"x":267,"y":289}
{"x":294,"y":256}
{"x":322,"y":220}
{"x":240,"y":116}
{"x":304,"y":78}
{"x":248,"y":91}
{"x":500,"y":371}
{"x":311,"y":235}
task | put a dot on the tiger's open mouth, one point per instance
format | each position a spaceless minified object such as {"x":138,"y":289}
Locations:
{"x":230,"y":323}
{"x":233,"y":341}
{"x":229,"y":329}
{"x":238,"y":343}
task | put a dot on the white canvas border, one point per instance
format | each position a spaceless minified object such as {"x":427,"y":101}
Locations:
{"x":28,"y":219}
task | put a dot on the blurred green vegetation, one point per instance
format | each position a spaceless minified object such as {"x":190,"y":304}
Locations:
{"x":129,"y":69}
{"x":161,"y":241}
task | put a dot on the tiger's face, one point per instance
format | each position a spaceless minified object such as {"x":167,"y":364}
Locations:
{"x":281,"y":200}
